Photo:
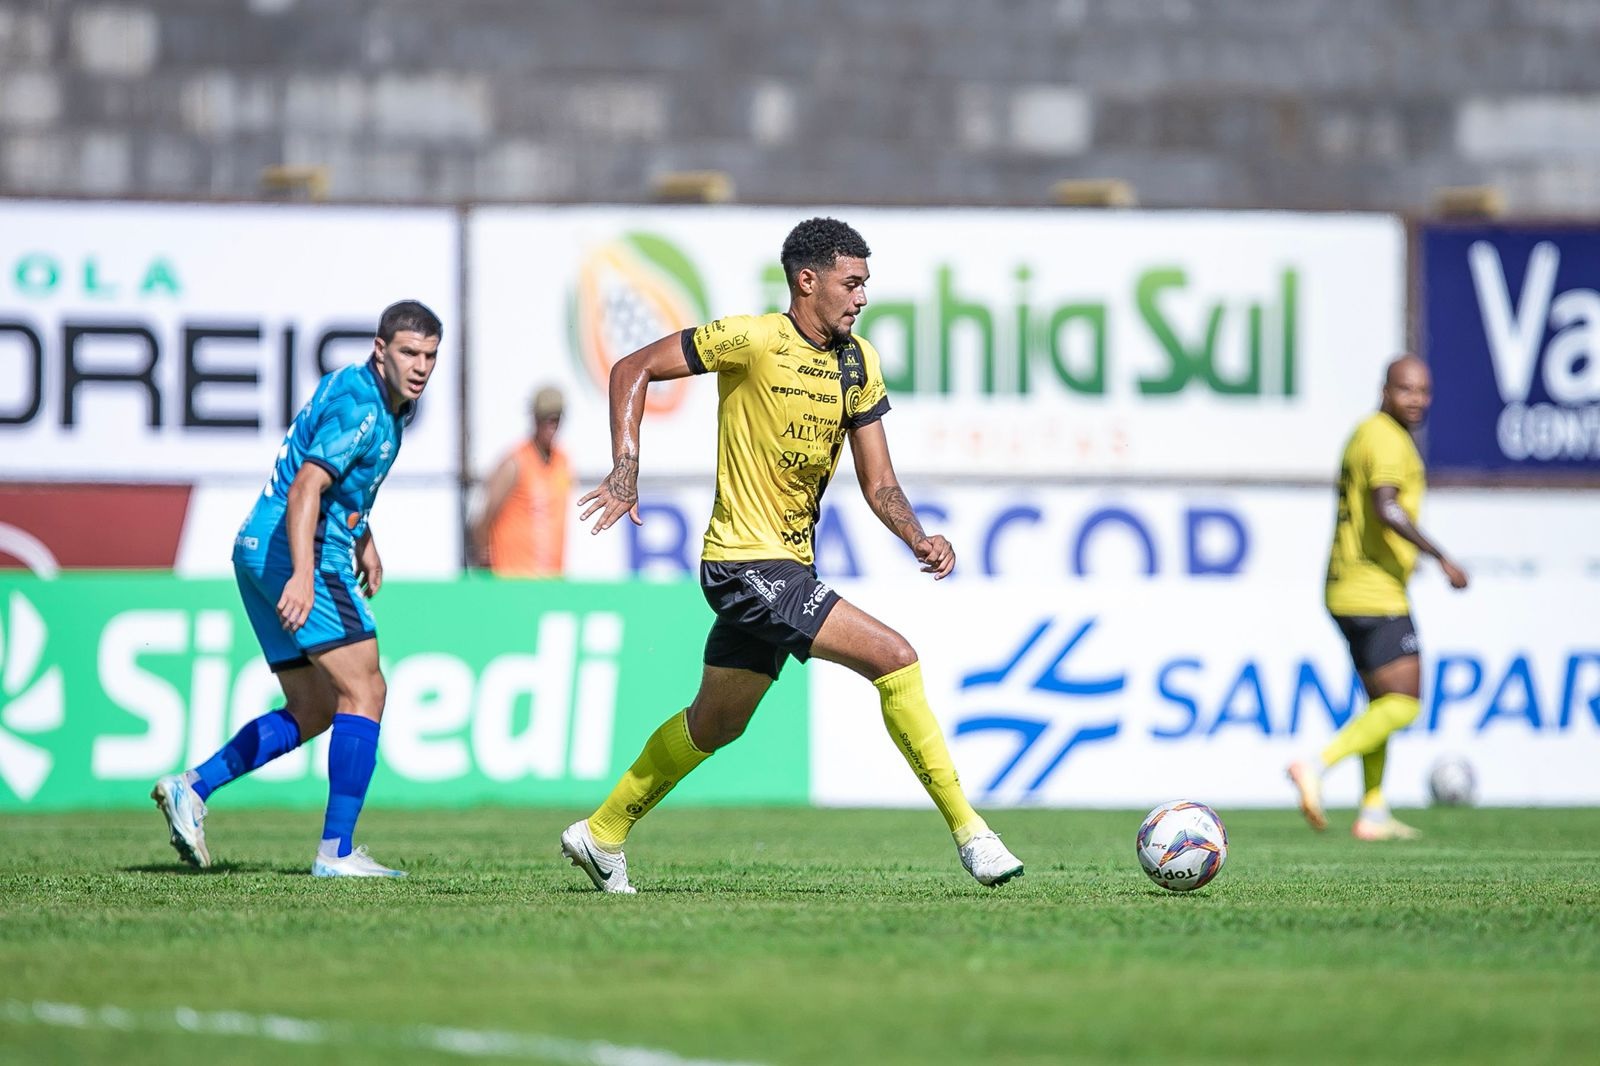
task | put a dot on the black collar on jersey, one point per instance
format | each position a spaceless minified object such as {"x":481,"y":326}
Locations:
{"x":807,"y":339}
{"x":407,"y":409}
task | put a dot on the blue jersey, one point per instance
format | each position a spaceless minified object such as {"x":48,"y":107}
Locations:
{"x":347,"y":429}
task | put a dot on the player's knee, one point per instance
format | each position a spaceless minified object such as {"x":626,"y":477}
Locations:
{"x":313,"y":720}
{"x":365,"y":698}
{"x":724,"y":733}
{"x":712,"y":727}
{"x":897,"y":654}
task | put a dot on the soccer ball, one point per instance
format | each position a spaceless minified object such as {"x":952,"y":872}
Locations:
{"x":1452,"y":783}
{"x":1182,"y":845}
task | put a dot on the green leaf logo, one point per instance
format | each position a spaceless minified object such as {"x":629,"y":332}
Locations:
{"x":31,"y":701}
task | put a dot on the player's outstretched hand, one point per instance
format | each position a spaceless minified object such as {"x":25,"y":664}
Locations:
{"x":614,"y":497}
{"x":1457,"y":576}
{"x":294,"y":606}
{"x":936,"y":556}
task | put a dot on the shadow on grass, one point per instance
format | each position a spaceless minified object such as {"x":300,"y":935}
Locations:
{"x":179,"y":870}
{"x":707,"y":889}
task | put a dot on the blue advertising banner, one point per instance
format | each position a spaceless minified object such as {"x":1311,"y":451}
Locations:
{"x":1511,"y":327}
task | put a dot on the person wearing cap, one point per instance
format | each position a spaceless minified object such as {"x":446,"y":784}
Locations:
{"x":521,"y":531}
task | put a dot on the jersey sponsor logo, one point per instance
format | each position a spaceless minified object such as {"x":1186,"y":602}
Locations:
{"x":807,"y":370}
{"x":767,"y":590}
{"x":822,"y":434}
{"x":363,"y":429}
{"x":732,"y":344}
{"x":791,"y":460}
{"x":816,"y":397}
{"x":818,"y":596}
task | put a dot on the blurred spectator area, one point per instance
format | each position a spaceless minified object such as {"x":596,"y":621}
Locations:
{"x":1369,"y":104}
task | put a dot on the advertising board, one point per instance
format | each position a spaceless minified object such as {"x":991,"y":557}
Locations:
{"x":1510,"y":317}
{"x":1014,"y":342}
{"x":498,"y":692}
{"x":166,"y":342}
{"x":1127,"y":695}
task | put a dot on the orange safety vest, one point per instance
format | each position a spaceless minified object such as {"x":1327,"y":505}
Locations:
{"x":528,"y":536}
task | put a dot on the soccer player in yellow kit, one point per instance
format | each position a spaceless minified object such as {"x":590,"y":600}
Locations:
{"x":792,"y":389}
{"x":1375,"y":545}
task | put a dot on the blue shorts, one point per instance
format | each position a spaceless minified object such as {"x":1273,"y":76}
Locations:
{"x":339,"y":613}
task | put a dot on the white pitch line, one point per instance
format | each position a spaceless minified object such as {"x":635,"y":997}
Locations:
{"x":469,"y":1043}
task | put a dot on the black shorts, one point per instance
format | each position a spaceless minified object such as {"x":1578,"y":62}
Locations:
{"x":767,"y":610}
{"x":1377,"y":640}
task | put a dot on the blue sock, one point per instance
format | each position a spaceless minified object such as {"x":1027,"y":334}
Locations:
{"x":258,"y":743}
{"x":351,"y":757}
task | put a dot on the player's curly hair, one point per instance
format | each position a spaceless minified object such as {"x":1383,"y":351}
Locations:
{"x":815,"y":243}
{"x":408,"y":316}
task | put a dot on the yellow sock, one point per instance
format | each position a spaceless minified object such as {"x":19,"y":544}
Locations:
{"x":916,"y":733}
{"x":1372,"y":776}
{"x":1369,"y":731}
{"x":667,"y":758}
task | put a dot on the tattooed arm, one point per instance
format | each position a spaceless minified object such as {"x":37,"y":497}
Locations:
{"x":1386,"y":500}
{"x":875,"y":472}
{"x":618,"y":494}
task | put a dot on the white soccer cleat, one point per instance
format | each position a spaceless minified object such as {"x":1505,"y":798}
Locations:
{"x":988,"y":860}
{"x":607,"y":869}
{"x":1309,"y":784}
{"x":356,"y":864}
{"x":1382,"y":826}
{"x":185,"y":813}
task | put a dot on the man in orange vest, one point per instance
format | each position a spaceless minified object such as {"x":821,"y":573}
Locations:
{"x":521,"y":531}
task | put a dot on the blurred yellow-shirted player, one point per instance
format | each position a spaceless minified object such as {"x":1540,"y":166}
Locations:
{"x":793,"y":388}
{"x":1375,"y":546}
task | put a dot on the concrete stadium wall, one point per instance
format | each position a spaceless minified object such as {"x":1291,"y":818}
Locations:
{"x":1211,"y":103}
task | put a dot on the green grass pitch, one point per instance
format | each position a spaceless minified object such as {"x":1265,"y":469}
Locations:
{"x":802,"y":936}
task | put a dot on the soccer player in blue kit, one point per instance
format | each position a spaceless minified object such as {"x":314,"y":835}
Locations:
{"x":304,"y":560}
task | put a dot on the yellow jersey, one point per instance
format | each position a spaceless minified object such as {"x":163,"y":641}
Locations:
{"x":784,"y":408}
{"x":1370,"y":563}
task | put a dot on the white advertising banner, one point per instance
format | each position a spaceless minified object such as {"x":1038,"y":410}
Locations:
{"x":1059,"y":535}
{"x":1014,"y":341}
{"x":146,"y":342}
{"x":417,"y":528}
{"x":1126,"y":694}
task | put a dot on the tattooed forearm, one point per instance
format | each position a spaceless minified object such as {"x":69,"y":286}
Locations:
{"x":892,"y":507}
{"x":623,"y":481}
